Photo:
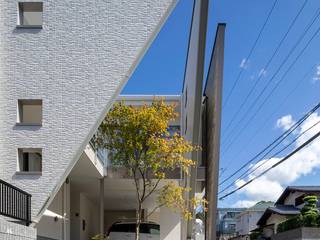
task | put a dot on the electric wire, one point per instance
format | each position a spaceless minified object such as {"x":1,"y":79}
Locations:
{"x":306,"y":143}
{"x":273,"y":89}
{"x":276,"y":142}
{"x":267,"y":64}
{"x":252,"y":170}
{"x":250,"y":52}
{"x":297,"y":85}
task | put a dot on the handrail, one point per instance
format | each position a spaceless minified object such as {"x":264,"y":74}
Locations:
{"x":15,"y":203}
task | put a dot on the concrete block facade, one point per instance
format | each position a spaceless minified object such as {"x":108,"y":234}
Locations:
{"x":304,"y":233}
{"x":77,"y":64}
{"x":13,"y":231}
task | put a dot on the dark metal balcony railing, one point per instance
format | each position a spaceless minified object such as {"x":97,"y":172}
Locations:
{"x":15,"y":203}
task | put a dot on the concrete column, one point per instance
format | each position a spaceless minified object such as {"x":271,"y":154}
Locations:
{"x":101,"y":210}
{"x":66,"y":214}
{"x":170,"y":224}
{"x":211,"y":129}
{"x":192,"y":92}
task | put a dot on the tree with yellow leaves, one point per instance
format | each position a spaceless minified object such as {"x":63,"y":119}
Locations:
{"x":138,"y":138}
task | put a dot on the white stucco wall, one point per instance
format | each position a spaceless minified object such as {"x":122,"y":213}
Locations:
{"x":290,"y":200}
{"x":76,"y":64}
{"x":58,"y":228}
{"x":247,"y":221}
{"x":89,"y":212}
{"x":75,"y":215}
{"x":275,"y":219}
{"x":170,"y":224}
{"x":13,"y":231}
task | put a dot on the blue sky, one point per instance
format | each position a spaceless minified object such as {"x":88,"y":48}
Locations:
{"x":161,"y":72}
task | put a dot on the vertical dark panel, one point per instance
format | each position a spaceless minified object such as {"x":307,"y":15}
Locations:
{"x":192,"y":89}
{"x":213,"y":95}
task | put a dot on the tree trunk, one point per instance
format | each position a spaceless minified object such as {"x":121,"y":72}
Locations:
{"x":138,"y":221}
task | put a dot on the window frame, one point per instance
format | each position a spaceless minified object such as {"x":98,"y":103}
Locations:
{"x":21,"y":168}
{"x":20,"y":16}
{"x":20,"y":103}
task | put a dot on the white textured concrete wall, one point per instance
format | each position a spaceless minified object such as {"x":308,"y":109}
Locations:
{"x":13,"y":231}
{"x":170,"y":224}
{"x":89,"y":212}
{"x":76,"y":64}
{"x":52,"y":228}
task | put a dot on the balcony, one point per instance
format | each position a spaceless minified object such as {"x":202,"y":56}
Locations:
{"x":15,"y":203}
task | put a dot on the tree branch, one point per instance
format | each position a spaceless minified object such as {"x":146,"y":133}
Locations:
{"x":153,"y":188}
{"x":144,"y":184}
{"x":159,"y":206}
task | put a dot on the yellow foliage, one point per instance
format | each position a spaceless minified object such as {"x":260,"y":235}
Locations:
{"x":138,"y":138}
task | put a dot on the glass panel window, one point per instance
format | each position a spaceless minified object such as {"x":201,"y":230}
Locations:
{"x":174,"y":130}
{"x":30,"y":160}
{"x":154,"y":229}
{"x":30,"y":13}
{"x":30,"y":111}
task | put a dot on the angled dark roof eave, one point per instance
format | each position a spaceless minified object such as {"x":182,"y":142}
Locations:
{"x":289,"y":189}
{"x":284,"y":210}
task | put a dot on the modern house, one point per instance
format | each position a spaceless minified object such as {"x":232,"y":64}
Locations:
{"x":288,"y":205}
{"x":247,"y":220}
{"x":62,"y":66}
{"x":226,"y":222}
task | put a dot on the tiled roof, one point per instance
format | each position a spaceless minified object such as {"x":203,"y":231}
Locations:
{"x":289,"y":189}
{"x":278,"y":209}
{"x":260,"y":206}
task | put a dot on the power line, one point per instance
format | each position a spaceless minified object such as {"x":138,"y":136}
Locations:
{"x":268,"y":63}
{"x":313,"y":19}
{"x":274,"y":165}
{"x":252,"y":170}
{"x":273,"y":89}
{"x":250,"y":52}
{"x":276,"y":142}
{"x":273,"y":113}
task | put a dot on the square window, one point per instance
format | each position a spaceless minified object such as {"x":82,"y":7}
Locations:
{"x":30,"y":14}
{"x":30,"y":160}
{"x":30,"y":111}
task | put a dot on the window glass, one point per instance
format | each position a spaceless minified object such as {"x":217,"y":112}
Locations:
{"x":30,"y":159}
{"x":299,"y":200}
{"x":144,"y":228}
{"x":154,"y":229}
{"x":30,"y":13}
{"x":30,"y":111}
{"x":174,"y":129}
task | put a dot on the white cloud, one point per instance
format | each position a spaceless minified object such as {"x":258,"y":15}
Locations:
{"x":285,"y":122}
{"x":305,"y":162}
{"x":244,"y":204}
{"x":316,"y":76}
{"x":262,"y":73}
{"x":244,"y":63}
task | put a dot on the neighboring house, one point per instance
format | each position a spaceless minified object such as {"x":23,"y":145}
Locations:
{"x":288,"y":205}
{"x":226,"y":222}
{"x":62,"y":66}
{"x":247,"y":220}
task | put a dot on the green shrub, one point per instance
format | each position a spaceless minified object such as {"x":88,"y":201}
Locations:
{"x":309,"y":212}
{"x":309,"y":216}
{"x":255,"y":235}
{"x":291,"y":223}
